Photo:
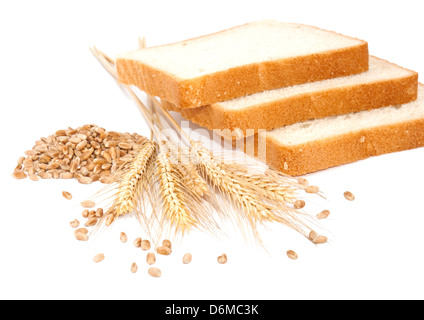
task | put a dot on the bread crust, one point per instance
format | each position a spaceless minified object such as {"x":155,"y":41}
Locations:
{"x":243,"y":80}
{"x":306,"y":106}
{"x":339,"y":150}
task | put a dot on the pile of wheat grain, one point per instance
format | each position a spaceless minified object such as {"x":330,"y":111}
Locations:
{"x":88,"y":153}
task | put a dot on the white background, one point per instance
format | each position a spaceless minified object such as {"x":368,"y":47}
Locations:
{"x":50,"y":80}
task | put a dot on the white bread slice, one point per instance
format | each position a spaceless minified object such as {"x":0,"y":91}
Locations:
{"x":315,"y":145}
{"x":254,"y":57}
{"x":384,"y":84}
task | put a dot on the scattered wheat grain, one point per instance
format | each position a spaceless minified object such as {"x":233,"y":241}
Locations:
{"x":99,"y":257}
{"x":187,"y":258}
{"x":74,"y":224}
{"x":137,"y":242}
{"x":91,"y":222}
{"x":349,"y":195}
{"x":316,"y":238}
{"x":134,"y":267}
{"x":123,"y":237}
{"x":323,"y":214}
{"x":150,"y":258}
{"x":154,"y":272}
{"x":85,"y":213}
{"x":299,"y":204}
{"x":292,"y":255}
{"x":320,"y":239}
{"x":88,"y":204}
{"x":145,"y":245}
{"x":312,"y":189}
{"x":222,"y":259}
{"x":167,"y":243}
{"x":164,"y":251}
{"x":67,"y":195}
{"x":81,"y":234}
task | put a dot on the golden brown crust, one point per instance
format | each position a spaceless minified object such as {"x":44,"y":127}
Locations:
{"x":245,"y":80}
{"x":302,"y":107}
{"x":318,"y":155}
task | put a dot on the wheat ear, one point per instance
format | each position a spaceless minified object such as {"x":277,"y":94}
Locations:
{"x":193,"y":181}
{"x":129,"y":190}
{"x":245,"y":194}
{"x":253,"y":211}
{"x":279,"y":189}
{"x":174,"y":202}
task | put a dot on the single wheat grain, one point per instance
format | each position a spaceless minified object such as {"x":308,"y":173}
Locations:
{"x":88,"y":204}
{"x":349,"y":195}
{"x":222,"y":259}
{"x":123,"y":237}
{"x":167,"y":243}
{"x":99,"y":257}
{"x":154,"y":272}
{"x":74,"y":223}
{"x":292,"y":255}
{"x":164,"y":251}
{"x":150,"y":258}
{"x":67,"y":195}
{"x":299,"y":204}
{"x":81,"y":234}
{"x":145,"y":245}
{"x":312,"y":189}
{"x":91,"y":222}
{"x":137,"y":242}
{"x":323,"y":214}
{"x":187,"y":258}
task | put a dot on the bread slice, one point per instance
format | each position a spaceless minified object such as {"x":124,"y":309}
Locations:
{"x":384,"y":84}
{"x":315,"y":145}
{"x":243,"y":60}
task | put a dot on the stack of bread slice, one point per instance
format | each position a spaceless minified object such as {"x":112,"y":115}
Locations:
{"x":307,"y":99}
